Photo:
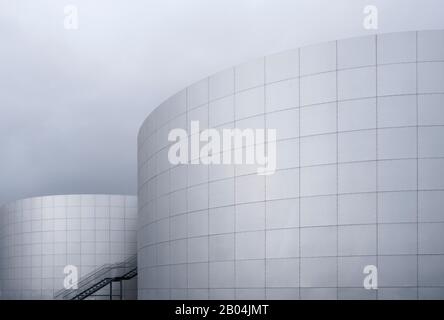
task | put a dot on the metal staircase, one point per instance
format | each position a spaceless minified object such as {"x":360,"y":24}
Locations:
{"x":100,"y":278}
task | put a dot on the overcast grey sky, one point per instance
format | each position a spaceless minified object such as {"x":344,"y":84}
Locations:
{"x":72,"y":101}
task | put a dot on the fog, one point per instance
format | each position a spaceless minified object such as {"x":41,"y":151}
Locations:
{"x":72,"y":100}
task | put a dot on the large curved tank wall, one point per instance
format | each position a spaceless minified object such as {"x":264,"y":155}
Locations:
{"x":40,"y":236}
{"x":359,"y":180}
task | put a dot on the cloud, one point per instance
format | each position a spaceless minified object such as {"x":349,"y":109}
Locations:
{"x":71,"y":102}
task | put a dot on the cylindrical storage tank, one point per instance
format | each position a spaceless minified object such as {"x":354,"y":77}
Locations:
{"x":41,"y":236}
{"x":354,"y":208}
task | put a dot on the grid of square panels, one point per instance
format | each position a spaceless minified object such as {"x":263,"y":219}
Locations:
{"x":40,"y":236}
{"x":359,"y":180}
